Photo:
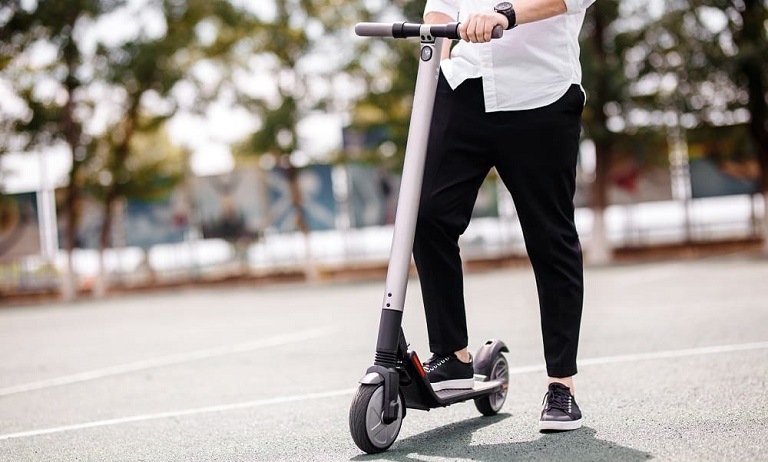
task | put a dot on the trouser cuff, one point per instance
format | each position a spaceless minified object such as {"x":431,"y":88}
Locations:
{"x":559,"y":372}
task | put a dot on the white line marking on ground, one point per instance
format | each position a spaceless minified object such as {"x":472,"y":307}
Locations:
{"x":651,"y":355}
{"x":169,"y":360}
{"x":185,"y":412}
{"x":348,"y":391}
{"x":674,"y":353}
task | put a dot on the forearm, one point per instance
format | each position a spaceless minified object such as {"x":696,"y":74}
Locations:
{"x":536,"y":10}
{"x":436,"y":17}
{"x":478,"y":26}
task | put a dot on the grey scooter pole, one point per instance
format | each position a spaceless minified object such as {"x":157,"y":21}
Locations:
{"x":408,"y":200}
{"x":413,"y":173}
{"x":413,"y":170}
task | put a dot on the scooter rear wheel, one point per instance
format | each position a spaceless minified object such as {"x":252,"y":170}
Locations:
{"x":491,"y":404}
{"x":368,"y":430}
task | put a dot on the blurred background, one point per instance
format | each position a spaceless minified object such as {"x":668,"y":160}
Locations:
{"x":157,"y":143}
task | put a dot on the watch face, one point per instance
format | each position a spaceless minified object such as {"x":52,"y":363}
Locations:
{"x":503,"y":6}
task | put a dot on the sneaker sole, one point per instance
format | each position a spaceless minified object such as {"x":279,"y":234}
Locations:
{"x":554,"y":425}
{"x":457,"y":384}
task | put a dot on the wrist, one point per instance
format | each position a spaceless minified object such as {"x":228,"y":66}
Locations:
{"x":507,"y":10}
{"x":503,"y":21}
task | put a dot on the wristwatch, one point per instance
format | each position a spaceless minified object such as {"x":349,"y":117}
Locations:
{"x":507,"y":10}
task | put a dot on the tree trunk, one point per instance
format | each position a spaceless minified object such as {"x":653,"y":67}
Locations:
{"x":765,"y":223}
{"x":72,"y":133}
{"x":68,"y":283}
{"x":310,"y":269}
{"x":752,"y":65}
{"x":599,"y":251}
{"x":121,"y":153}
{"x":101,"y":286}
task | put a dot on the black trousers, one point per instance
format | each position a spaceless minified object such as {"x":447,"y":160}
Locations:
{"x":535,"y":153}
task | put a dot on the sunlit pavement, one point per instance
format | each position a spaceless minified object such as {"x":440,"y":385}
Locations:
{"x":674,"y":366}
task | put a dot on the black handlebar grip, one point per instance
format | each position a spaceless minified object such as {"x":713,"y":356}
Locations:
{"x":451,"y":31}
{"x":403,"y":30}
{"x":373,"y":29}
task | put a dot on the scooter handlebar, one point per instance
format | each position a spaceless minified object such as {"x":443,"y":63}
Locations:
{"x":405,"y":30}
{"x":374,"y":29}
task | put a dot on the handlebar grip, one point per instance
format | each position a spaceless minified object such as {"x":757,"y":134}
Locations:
{"x":373,"y":29}
{"x":404,"y":30}
{"x":451,"y":31}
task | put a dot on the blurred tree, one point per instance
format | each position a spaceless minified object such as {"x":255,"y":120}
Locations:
{"x":145,"y":71}
{"x":300,"y":46}
{"x":751,"y":38}
{"x":703,"y":63}
{"x":388,"y":69}
{"x":147,"y":168}
{"x":40,"y":54}
{"x":605,"y":81}
{"x":131,"y":81}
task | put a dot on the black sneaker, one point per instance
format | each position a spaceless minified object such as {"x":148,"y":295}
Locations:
{"x":560,"y":409}
{"x":448,"y":372}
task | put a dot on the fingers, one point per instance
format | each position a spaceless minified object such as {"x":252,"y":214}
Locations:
{"x":478,"y":27}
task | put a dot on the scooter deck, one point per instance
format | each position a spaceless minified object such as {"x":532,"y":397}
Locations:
{"x":480,"y":389}
{"x":418,"y":392}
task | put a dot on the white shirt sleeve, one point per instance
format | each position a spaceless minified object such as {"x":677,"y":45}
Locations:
{"x":448,"y":7}
{"x":577,"y":6}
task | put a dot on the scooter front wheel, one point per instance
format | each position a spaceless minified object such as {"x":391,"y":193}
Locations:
{"x":368,"y":429}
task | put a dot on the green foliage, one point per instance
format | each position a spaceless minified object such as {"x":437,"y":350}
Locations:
{"x":52,"y":24}
{"x":55,"y":116}
{"x":153,"y":66}
{"x":137,"y":76}
{"x":152,"y":169}
{"x":289,"y":46}
{"x":709,"y":57}
{"x":388,"y":68}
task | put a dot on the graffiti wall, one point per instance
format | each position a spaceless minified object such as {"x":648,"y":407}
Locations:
{"x":723,"y":162}
{"x":137,"y":223}
{"x":318,"y":205}
{"x":372,"y":195}
{"x":149,"y":223}
{"x":232,"y":206}
{"x":19,"y":226}
{"x":639,"y":172}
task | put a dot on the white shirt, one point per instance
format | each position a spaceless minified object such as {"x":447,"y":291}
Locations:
{"x":531,"y":66}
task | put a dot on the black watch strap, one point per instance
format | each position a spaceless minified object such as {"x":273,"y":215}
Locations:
{"x":508,"y":10}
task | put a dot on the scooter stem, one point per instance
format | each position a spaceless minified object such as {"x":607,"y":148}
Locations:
{"x":413,"y":173}
{"x":408,"y":200}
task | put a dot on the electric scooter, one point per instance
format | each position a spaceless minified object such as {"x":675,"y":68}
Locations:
{"x":397,"y":380}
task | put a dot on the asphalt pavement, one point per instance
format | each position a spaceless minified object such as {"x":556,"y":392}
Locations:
{"x":673,"y":366}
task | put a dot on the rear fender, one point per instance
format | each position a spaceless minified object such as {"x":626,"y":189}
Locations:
{"x":483,"y":360}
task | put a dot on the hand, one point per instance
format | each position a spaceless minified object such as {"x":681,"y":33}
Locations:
{"x":478,"y":26}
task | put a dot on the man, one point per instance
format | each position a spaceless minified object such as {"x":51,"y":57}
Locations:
{"x":515,"y":104}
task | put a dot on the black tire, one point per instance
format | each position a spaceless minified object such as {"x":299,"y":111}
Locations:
{"x":368,"y":431}
{"x":491,"y":404}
